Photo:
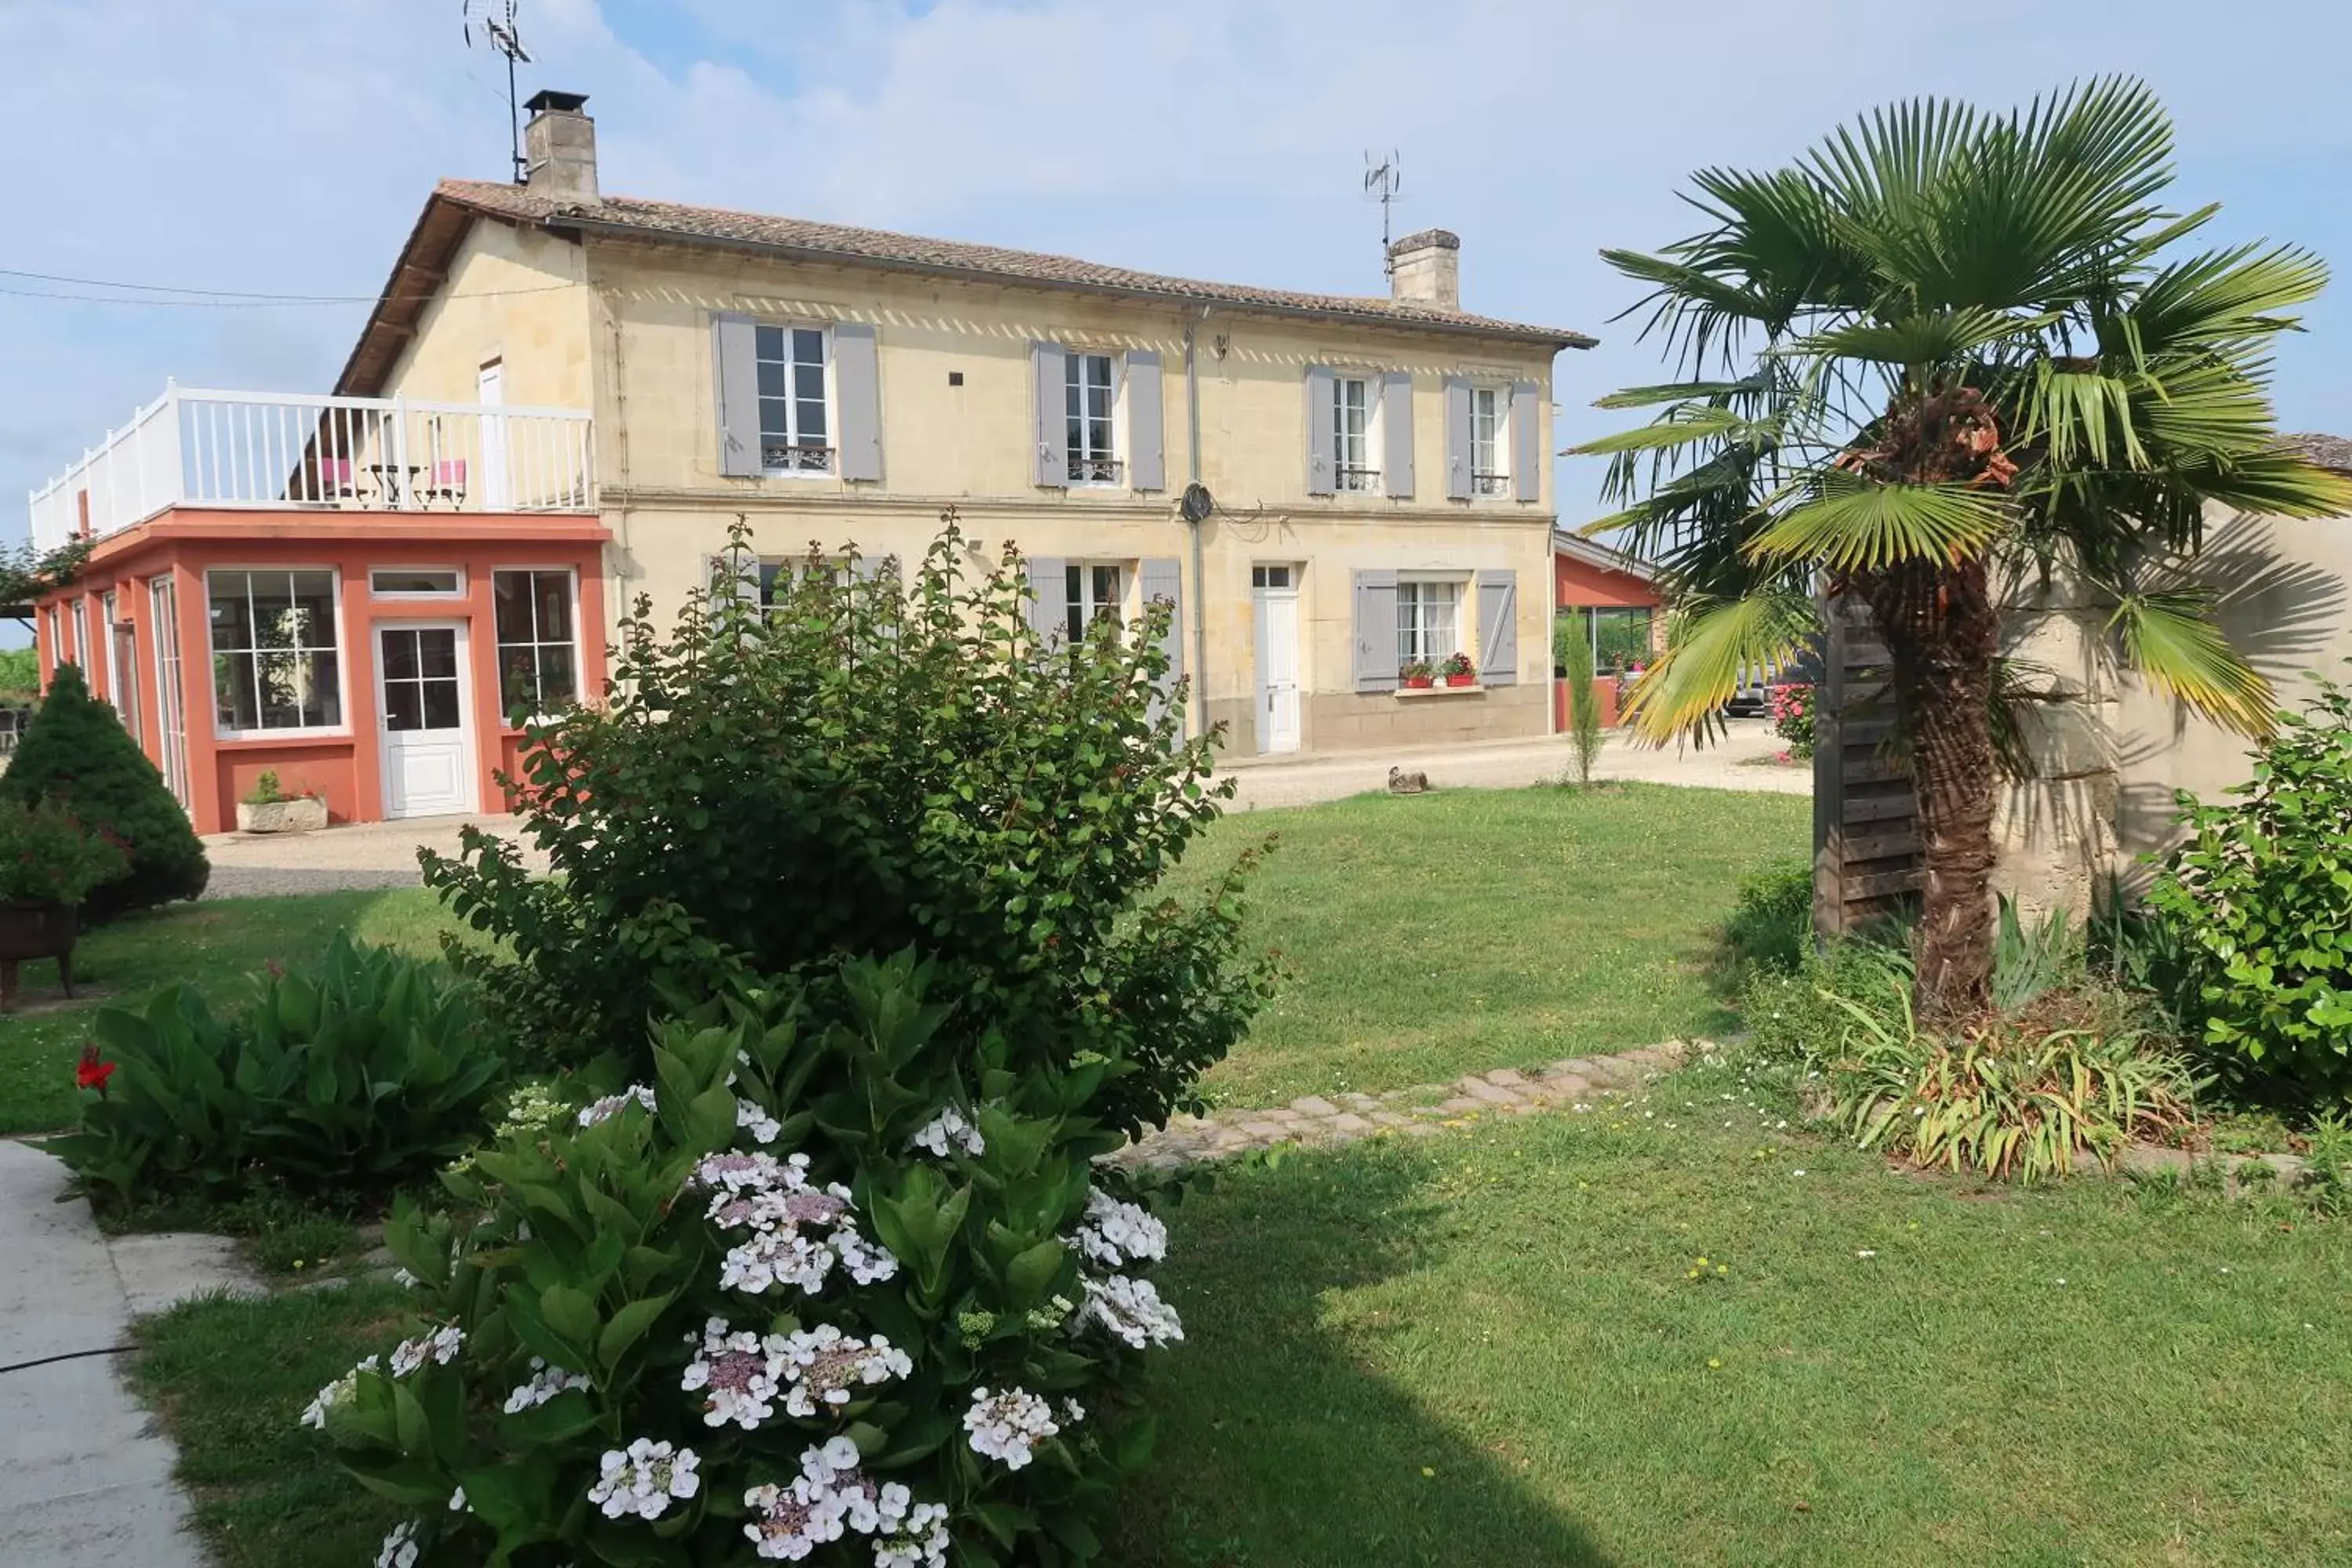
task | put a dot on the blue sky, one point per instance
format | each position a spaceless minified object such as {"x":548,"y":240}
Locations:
{"x":283,"y":146}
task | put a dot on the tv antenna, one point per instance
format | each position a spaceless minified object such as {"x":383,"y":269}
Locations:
{"x":495,"y":20}
{"x":1382,"y":181}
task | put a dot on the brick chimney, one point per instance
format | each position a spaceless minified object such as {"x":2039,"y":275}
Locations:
{"x":559,"y":146}
{"x":1426,"y":268}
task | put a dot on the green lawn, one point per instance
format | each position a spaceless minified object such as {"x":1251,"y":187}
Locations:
{"x":1434,"y":935}
{"x":1488,"y":1349}
{"x":212,"y":944}
{"x":1427,"y":937}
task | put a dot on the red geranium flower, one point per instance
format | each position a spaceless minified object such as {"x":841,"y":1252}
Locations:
{"x":92,"y":1073}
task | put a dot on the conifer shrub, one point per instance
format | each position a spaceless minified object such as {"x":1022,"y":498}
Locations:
{"x":76,"y":755}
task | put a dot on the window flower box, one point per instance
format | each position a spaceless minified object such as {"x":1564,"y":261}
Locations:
{"x":1417,"y":676}
{"x":1458,"y":671}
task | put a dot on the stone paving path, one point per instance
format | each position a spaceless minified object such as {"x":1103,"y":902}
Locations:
{"x":1416,"y":1112}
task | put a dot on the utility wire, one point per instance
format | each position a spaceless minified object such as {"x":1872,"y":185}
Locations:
{"x":226,"y":298}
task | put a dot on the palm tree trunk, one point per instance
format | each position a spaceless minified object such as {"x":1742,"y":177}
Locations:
{"x":1943,"y":635}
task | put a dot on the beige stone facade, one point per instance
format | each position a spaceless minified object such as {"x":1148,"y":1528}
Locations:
{"x":931,"y":377}
{"x":2113,"y":751}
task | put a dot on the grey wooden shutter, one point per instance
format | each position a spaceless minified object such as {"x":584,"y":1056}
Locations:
{"x":1528,"y":423}
{"x":1322,"y":405}
{"x":858,"y":389}
{"x":1163,"y":578}
{"x":1498,"y":628}
{"x":1048,"y":598}
{"x":1396,"y":434}
{"x":1376,"y":631}
{"x":1146,"y":463}
{"x":736,"y":350}
{"x":1457,"y":439}
{"x":1049,"y":363}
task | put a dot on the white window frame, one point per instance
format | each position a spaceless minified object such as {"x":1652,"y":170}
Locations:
{"x":1110,"y":465}
{"x":1363,"y":477}
{"x":1089,"y":607}
{"x":824,"y":455}
{"x":58,"y":653}
{"x":499,"y":645}
{"x":397,"y":594}
{"x":342,"y":660}
{"x":1409,"y":593}
{"x":104,"y":604}
{"x":80,"y":608}
{"x":1492,"y":483}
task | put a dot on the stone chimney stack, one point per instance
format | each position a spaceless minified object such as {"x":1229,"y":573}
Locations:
{"x":559,"y":147}
{"x":1426,"y":268}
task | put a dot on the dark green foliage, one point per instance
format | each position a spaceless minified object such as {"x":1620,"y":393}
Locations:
{"x":373,"y":1071}
{"x":1771,"y":926}
{"x":1583,"y":705}
{"x":20,"y":675}
{"x":858,"y":769}
{"x":2260,"y":898}
{"x":77,"y":754}
{"x":594,"y":1249}
{"x":48,"y":856}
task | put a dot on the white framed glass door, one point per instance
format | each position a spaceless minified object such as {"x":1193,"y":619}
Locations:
{"x":170,"y":702}
{"x":421,"y":717}
{"x":1275,"y":593}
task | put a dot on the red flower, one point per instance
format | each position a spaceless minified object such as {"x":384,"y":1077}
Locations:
{"x":92,"y":1073}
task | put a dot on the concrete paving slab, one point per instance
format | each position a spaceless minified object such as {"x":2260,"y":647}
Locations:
{"x":85,"y":1475}
{"x":158,"y":1270}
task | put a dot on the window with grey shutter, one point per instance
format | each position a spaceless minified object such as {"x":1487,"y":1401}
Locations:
{"x":858,"y":389}
{"x":1457,"y":439}
{"x":1322,"y":399}
{"x":1163,"y":578}
{"x":1528,"y":423}
{"x":1047,"y":605}
{"x":1048,"y":370}
{"x":1147,"y":436}
{"x":1376,"y":631}
{"x":1498,"y":628}
{"x":734,"y":349}
{"x":1396,"y":434}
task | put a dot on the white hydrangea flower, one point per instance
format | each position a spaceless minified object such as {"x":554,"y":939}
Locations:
{"x":440,"y":1347}
{"x":1116,"y":1233}
{"x":642,"y":1479}
{"x":824,"y":1365}
{"x":949,"y":1127}
{"x":546,"y":1382}
{"x":797,"y":1231}
{"x":457,"y":1503}
{"x":825,"y":1500}
{"x":404,"y":1279}
{"x":920,"y":1540}
{"x":315,"y":1413}
{"x":741,"y":1373}
{"x":399,"y":1550}
{"x":1073,"y":1412}
{"x":762,"y":1127}
{"x":1008,"y":1425}
{"x":610,"y":1106}
{"x":1130,"y":1309}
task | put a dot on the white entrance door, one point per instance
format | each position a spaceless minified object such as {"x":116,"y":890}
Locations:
{"x":1275,"y":591}
{"x":493,"y":395}
{"x":429,"y":749}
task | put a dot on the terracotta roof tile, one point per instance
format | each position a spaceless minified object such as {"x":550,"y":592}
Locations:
{"x":721,"y":225}
{"x":2327,"y":451}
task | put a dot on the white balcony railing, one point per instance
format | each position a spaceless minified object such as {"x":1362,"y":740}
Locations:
{"x":294,"y":452}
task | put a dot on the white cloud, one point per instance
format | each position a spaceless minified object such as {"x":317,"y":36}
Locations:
{"x":272,"y":145}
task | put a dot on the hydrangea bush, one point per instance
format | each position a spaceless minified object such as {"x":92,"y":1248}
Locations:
{"x":771,"y":1308}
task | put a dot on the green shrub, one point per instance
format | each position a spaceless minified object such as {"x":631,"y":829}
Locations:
{"x":373,"y":1071}
{"x":842,"y":1279}
{"x":20,"y":675}
{"x":2259,"y":898}
{"x":1583,"y":705}
{"x":76,"y":755}
{"x":1771,"y":925}
{"x":861,"y":769}
{"x":48,"y":856}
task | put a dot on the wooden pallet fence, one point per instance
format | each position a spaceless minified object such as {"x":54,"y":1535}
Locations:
{"x":1866,"y":831}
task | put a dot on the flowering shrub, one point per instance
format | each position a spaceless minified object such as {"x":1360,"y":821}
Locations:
{"x":2258,"y":903}
{"x":889,"y":1312}
{"x":46,"y":856}
{"x":1791,"y":708}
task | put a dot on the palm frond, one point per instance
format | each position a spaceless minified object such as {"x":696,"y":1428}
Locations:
{"x":2171,"y":637}
{"x":1931,"y":338}
{"x":1857,"y":525}
{"x":1709,"y":643}
{"x":1678,"y":392}
{"x":2276,"y":482}
{"x":2083,"y":413}
{"x":1679,"y":427}
{"x":2223,"y":297}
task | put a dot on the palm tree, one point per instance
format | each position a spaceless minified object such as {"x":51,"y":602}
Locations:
{"x":1944,"y":352}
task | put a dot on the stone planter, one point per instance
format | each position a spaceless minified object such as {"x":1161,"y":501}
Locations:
{"x":31,"y":929}
{"x":300,"y":815}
